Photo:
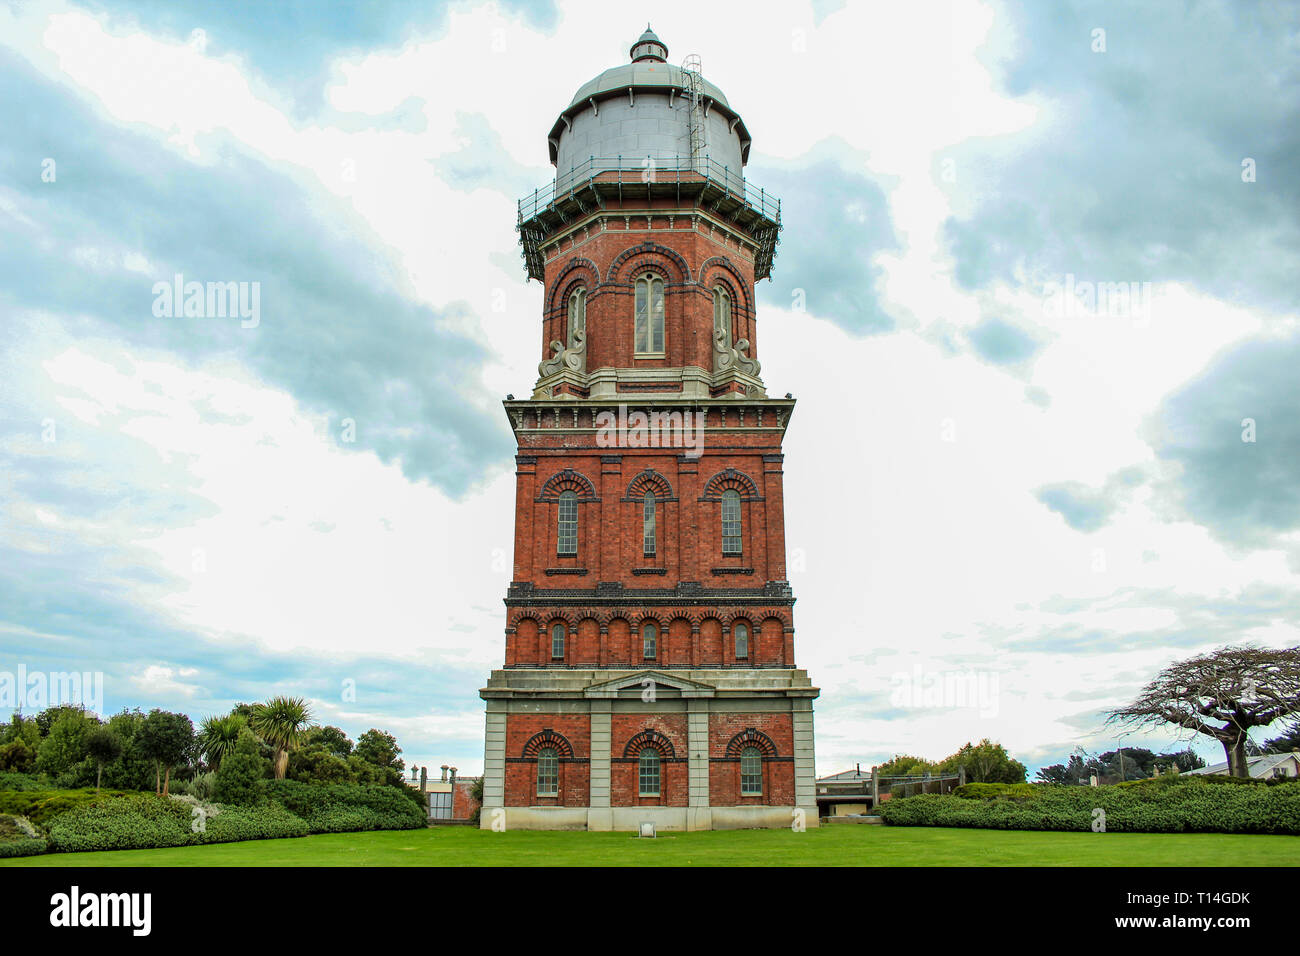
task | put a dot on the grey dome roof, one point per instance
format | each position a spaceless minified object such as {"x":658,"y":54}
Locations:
{"x":646,"y":73}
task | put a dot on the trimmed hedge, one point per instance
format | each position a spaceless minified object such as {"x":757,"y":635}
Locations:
{"x":125,"y":823}
{"x":339,"y":807}
{"x":18,"y":837}
{"x":136,"y":823}
{"x":233,"y":824}
{"x":990,"y":791}
{"x":286,"y":808}
{"x":1162,"y":805}
{"x":41,"y":806}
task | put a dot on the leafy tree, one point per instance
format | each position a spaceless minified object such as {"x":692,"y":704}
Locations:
{"x":64,"y":744}
{"x":167,"y":739}
{"x":17,"y":757}
{"x":902,"y":765}
{"x":131,"y":770}
{"x":218,"y":736}
{"x":1057,"y":773}
{"x":331,"y":739}
{"x":281,"y":722}
{"x":1286,"y":742}
{"x":985,"y":762}
{"x":240,"y":771}
{"x":366,"y":772}
{"x":47,"y":718}
{"x":21,"y":728}
{"x":1222,"y":694}
{"x":317,"y":765}
{"x":103,"y":746}
{"x":379,"y":749}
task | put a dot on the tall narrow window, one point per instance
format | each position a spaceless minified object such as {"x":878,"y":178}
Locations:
{"x":567,"y":537}
{"x":649,"y":315}
{"x":649,"y":641}
{"x":557,"y":642}
{"x":648,"y":524}
{"x":577,"y":316}
{"x":751,"y":772}
{"x":722,"y":315}
{"x":742,"y":641}
{"x":648,"y":776}
{"x":731,"y":534}
{"x":548,"y":772}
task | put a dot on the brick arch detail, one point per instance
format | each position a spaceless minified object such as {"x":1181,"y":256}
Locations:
{"x":564,"y":285}
{"x":547,"y":738}
{"x":731,"y":478}
{"x":649,"y":249}
{"x":649,"y":738}
{"x":737,"y":285}
{"x":649,"y":480}
{"x":750,"y":737}
{"x":568,"y":480}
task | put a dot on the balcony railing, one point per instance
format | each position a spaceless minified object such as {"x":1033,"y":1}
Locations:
{"x":638,"y":171}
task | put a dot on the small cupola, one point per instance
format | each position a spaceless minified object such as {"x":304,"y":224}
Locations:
{"x":649,"y":47}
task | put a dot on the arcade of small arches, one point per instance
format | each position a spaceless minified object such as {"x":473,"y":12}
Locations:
{"x":570,"y":637}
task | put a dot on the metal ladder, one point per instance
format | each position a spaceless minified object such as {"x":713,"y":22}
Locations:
{"x":693,"y":89}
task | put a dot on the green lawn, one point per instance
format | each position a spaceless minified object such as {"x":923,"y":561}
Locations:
{"x":841,"y":845}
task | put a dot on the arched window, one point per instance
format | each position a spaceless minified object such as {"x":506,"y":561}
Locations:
{"x":566,"y":539}
{"x":649,"y":641}
{"x":742,"y":641}
{"x":751,"y":772}
{"x":648,"y":524}
{"x":731,"y":521}
{"x":548,"y":772}
{"x":722,"y":313}
{"x":557,"y":642}
{"x":649,"y":315}
{"x":648,"y":773}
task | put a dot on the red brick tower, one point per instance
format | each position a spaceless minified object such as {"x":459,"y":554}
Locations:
{"x":649,"y":665}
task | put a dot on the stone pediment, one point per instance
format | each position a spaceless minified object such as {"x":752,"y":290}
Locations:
{"x":638,"y":682}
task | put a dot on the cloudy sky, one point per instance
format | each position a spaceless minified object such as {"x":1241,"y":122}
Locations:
{"x":990,"y":474}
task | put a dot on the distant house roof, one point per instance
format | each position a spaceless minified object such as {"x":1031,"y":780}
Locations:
{"x":856,"y":775}
{"x":1261,"y":766}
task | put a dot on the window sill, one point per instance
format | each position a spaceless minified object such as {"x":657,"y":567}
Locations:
{"x":649,"y":355}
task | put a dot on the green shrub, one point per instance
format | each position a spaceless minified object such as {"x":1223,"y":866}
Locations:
{"x":18,"y":837}
{"x":24,"y":781}
{"x":991,"y":791}
{"x":232,"y":824}
{"x":325,"y":807}
{"x":127,"y":823}
{"x":236,"y":781}
{"x":42,"y":806}
{"x":1190,"y":804}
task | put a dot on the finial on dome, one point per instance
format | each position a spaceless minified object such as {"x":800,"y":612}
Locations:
{"x":649,"y":47}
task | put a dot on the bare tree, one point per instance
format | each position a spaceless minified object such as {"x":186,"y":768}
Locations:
{"x":1222,"y":694}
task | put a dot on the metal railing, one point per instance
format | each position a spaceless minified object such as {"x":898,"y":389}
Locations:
{"x":643,"y":170}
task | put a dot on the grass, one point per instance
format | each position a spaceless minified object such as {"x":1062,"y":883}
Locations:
{"x":841,"y":845}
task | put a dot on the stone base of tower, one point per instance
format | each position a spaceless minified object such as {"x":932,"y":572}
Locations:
{"x":702,"y":724}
